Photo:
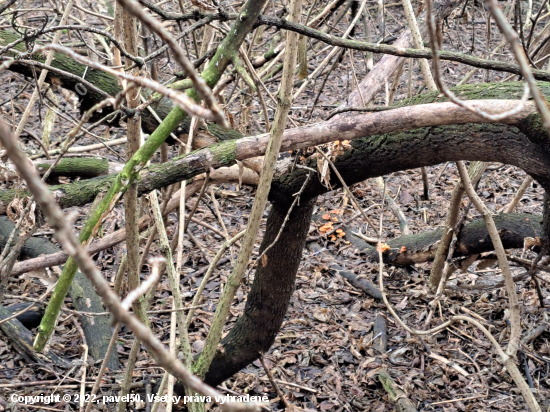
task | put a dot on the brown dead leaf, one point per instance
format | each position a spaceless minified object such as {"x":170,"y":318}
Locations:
{"x":16,"y":209}
{"x":403,"y":304}
{"x":321,"y":315}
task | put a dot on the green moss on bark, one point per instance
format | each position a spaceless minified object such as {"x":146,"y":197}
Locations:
{"x":480,"y":91}
{"x":77,"y":167}
{"x":225,"y":152}
{"x":533,"y":127}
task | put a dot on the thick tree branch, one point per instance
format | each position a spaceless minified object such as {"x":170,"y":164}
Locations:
{"x":379,"y":127}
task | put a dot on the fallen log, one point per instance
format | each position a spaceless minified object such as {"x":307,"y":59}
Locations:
{"x":408,"y":250}
{"x":69,"y":75}
{"x":72,"y":167}
{"x":82,"y":167}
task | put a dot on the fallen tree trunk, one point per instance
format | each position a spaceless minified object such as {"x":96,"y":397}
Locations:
{"x":384,"y":69}
{"x":82,"y":167}
{"x":408,"y":250}
{"x":73,"y":167}
{"x":513,"y":228}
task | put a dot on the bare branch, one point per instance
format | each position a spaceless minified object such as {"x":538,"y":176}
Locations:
{"x":133,"y":7}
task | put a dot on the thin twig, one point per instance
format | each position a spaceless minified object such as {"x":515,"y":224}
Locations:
{"x":346,"y":188}
{"x":280,"y":393}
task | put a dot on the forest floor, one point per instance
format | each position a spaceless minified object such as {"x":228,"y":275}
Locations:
{"x":323,"y":357}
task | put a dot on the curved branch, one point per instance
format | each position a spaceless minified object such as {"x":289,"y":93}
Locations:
{"x":385,"y":150}
{"x":369,"y":157}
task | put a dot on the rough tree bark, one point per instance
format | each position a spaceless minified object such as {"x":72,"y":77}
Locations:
{"x":270,"y":294}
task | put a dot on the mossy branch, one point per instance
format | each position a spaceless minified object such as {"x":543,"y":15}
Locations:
{"x":228,"y":48}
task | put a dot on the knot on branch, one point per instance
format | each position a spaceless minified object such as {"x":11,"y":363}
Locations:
{"x":140,"y":62}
